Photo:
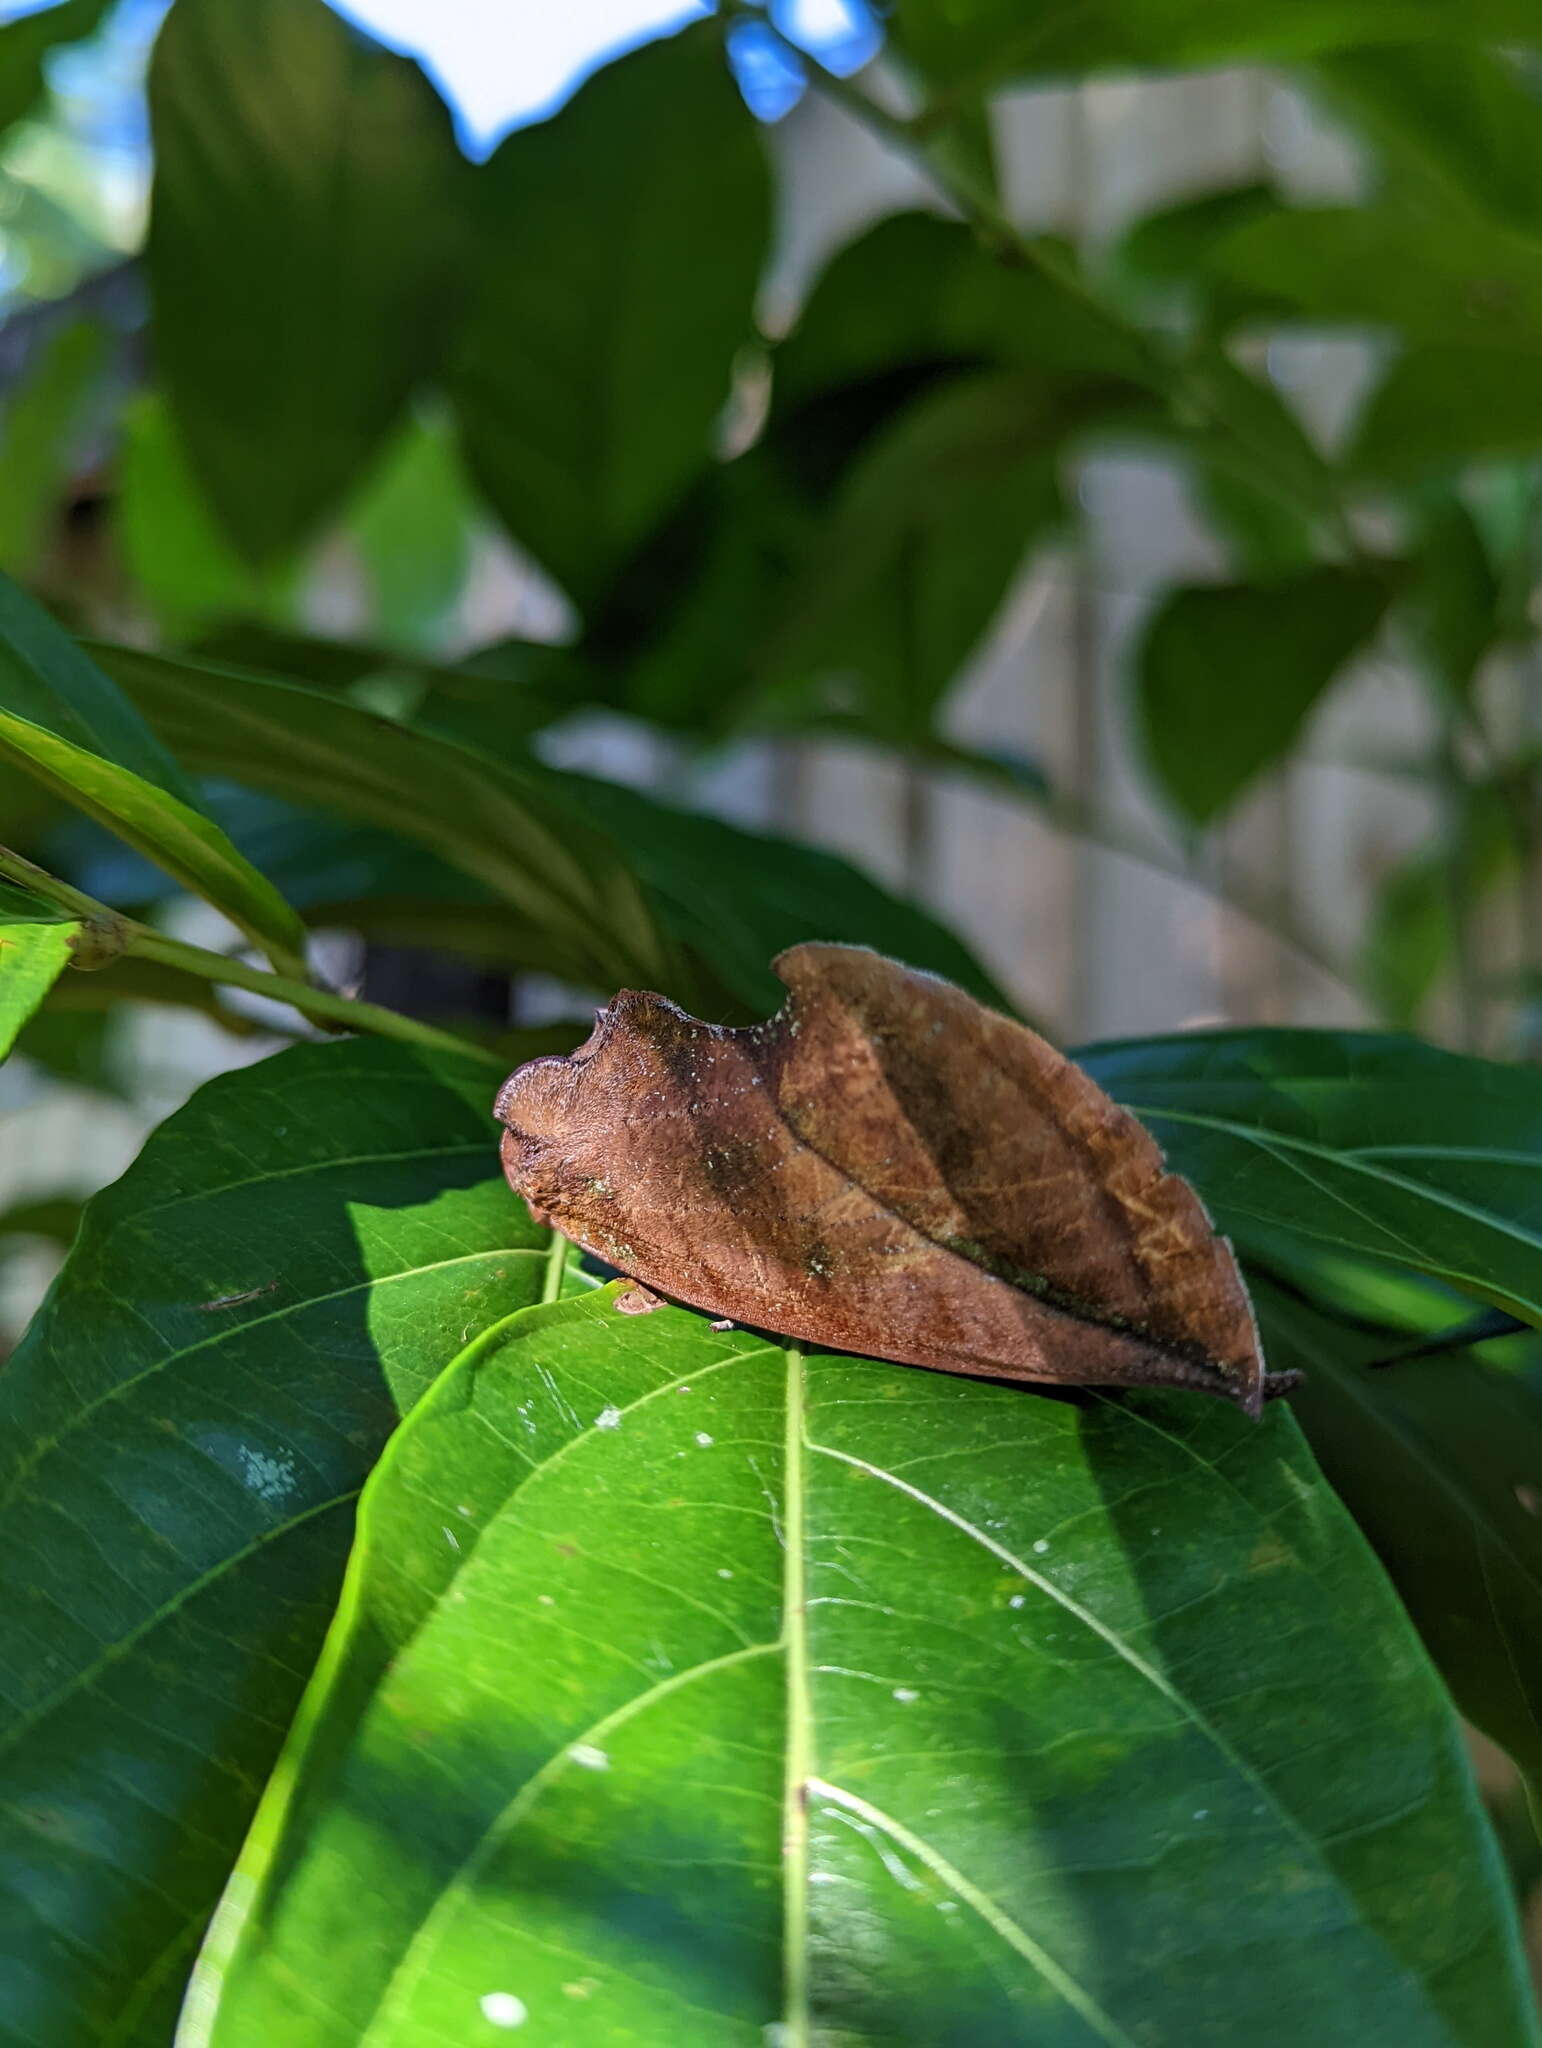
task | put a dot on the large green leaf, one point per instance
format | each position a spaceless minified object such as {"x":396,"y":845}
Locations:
{"x":1439,"y":1459}
{"x":609,"y":883}
{"x":68,"y":725}
{"x":975,"y":41}
{"x":620,"y":250}
{"x":760,"y":1697}
{"x":498,"y":822}
{"x":290,"y":1261}
{"x":36,"y":943}
{"x":303,"y":217}
{"x":1227,"y":674}
{"x":1375,"y":1145}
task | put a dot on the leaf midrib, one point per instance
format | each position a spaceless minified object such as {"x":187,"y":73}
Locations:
{"x":1351,"y":1160}
{"x":1186,"y":1707}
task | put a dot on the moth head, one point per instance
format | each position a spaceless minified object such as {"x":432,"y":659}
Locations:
{"x":541,"y":1101}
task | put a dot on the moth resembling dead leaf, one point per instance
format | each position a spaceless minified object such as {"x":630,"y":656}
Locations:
{"x":889,"y":1168}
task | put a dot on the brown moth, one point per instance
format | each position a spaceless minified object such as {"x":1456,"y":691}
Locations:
{"x":886,"y":1167}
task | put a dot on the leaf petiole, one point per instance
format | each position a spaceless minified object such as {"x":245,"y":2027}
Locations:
{"x":322,"y":1006}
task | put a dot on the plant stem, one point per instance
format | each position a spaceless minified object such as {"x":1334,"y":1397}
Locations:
{"x":321,"y":1005}
{"x":955,"y":182}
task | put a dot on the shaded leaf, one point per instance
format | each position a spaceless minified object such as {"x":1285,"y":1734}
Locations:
{"x":866,"y":323}
{"x":290,"y":1261}
{"x":1457,"y":605}
{"x":1443,"y":406}
{"x":1457,"y":126}
{"x":1409,"y":939}
{"x":620,"y":250}
{"x":1393,"y":264}
{"x":930,"y":527}
{"x":68,"y":725}
{"x":1174,"y":248}
{"x":1369,"y":1145}
{"x":610,"y":882}
{"x":1440,"y":1461}
{"x":56,"y":1217}
{"x":46,"y":413}
{"x":915,"y":1718}
{"x":303,"y":213}
{"x":26,"y":43}
{"x":738,"y":898}
{"x":494,"y":820}
{"x":1226,"y":675}
{"x":867,"y":1172}
{"x":976,"y":41}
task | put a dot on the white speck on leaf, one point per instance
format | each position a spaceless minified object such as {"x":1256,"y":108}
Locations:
{"x":502,"y":2009}
{"x":723,"y":1572}
{"x":591,"y":1758}
{"x":703,"y":1439}
{"x":1201,"y":1813}
{"x":1018,"y":1600}
{"x":1042,"y":1545}
{"x":269,"y":1478}
{"x":450,"y":1537}
{"x":904,"y":1694}
{"x":608,"y":1418}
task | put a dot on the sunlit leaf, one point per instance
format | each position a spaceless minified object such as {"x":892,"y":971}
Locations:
{"x":846,"y":1702}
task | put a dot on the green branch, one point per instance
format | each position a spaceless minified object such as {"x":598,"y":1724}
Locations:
{"x":321,"y":1006}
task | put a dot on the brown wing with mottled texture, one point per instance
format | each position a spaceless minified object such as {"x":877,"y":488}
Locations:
{"x":889,"y":1168}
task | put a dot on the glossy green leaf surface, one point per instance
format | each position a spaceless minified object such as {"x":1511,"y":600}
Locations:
{"x":289,"y":1262}
{"x":35,"y":947}
{"x":302,"y":214}
{"x":615,"y":279}
{"x":1226,"y":676}
{"x":1370,"y":1144}
{"x":1439,"y":1459}
{"x":69,"y":726}
{"x":687,"y":1689}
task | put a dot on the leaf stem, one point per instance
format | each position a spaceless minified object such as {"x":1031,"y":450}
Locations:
{"x":955,"y":181}
{"x":320,"y":1005}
